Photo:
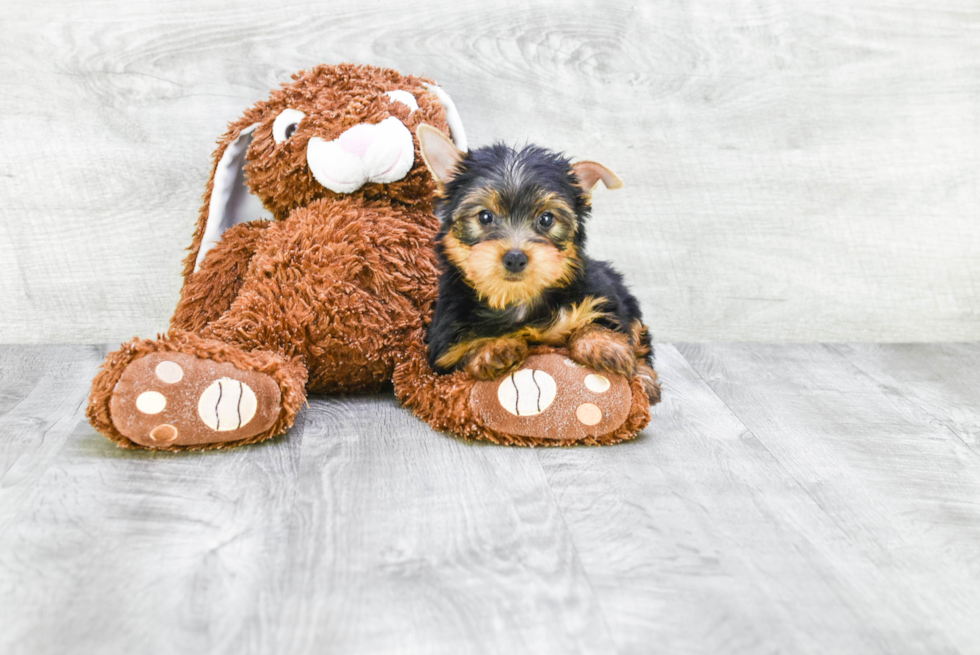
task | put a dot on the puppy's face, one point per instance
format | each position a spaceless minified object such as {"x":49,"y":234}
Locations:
{"x":513,"y":220}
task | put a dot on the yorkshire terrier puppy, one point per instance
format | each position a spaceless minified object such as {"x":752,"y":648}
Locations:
{"x":515,"y":272}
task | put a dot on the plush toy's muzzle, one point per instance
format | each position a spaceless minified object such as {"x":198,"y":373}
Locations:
{"x":382,"y":152}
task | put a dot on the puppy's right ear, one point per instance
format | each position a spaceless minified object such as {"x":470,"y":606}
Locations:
{"x":440,"y":155}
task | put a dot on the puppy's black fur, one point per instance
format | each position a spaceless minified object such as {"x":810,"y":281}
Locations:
{"x":517,"y":181}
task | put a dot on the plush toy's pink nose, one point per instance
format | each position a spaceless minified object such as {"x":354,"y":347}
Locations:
{"x":357,"y":139}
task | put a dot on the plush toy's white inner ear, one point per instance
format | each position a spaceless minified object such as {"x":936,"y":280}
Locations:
{"x":452,"y":115}
{"x":231,"y":200}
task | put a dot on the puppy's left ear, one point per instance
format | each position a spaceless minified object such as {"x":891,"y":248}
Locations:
{"x":440,"y":154}
{"x":589,"y":173}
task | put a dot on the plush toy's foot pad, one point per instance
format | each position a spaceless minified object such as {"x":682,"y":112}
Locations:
{"x":553,"y":397}
{"x":174,"y":399}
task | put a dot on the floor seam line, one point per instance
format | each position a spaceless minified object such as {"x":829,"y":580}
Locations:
{"x":578,"y":553}
{"x":761,"y":442}
{"x":909,"y":400}
{"x":840,"y":529}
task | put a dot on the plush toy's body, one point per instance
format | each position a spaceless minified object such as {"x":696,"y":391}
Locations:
{"x":331,"y":295}
{"x":359,"y":278}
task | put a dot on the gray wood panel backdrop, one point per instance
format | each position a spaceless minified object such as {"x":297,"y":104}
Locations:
{"x":795,"y":170}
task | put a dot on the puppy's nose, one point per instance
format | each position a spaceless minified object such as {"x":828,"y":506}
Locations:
{"x":515,"y":261}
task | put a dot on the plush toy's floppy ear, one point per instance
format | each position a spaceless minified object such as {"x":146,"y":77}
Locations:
{"x":590,"y":172}
{"x":231,"y":201}
{"x":452,"y":115}
{"x":438,"y":152}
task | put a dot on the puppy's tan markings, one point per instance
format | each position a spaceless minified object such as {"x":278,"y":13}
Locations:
{"x":651,"y":383}
{"x":566,"y":225}
{"x":482,"y":269}
{"x":568,"y":321}
{"x":603,"y":349}
{"x":483,"y":197}
{"x":456,"y":251}
{"x":494,"y":358}
{"x":648,"y":376}
{"x":482,"y":351}
{"x":638,"y":336}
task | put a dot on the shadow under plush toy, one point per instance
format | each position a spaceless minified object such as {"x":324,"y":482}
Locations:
{"x":332,"y":292}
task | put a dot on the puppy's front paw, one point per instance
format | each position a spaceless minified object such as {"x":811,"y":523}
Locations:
{"x":602,"y":349}
{"x":496,"y":358}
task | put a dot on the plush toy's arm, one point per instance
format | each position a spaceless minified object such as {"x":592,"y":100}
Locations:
{"x":209,"y":292}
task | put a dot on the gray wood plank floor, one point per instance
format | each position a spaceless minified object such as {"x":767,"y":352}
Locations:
{"x":786,"y":498}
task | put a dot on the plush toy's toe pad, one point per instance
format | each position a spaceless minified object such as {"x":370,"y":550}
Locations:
{"x":552,"y":397}
{"x":174,"y":399}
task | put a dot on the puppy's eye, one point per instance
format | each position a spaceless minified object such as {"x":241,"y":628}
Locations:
{"x":485,"y":217}
{"x":286,"y":123}
{"x":546,"y":220}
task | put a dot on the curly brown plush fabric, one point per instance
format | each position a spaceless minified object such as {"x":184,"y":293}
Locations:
{"x":290,"y":375}
{"x":333,"y":295}
{"x":444,"y":402}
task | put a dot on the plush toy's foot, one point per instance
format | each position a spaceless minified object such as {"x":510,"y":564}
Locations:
{"x":175,"y":399}
{"x":188,"y":392}
{"x":549,"y":401}
{"x":553,"y":397}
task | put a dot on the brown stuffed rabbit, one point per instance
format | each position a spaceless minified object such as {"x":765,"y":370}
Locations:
{"x":312,"y":269}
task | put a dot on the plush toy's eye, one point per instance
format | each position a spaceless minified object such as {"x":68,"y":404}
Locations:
{"x":546,"y":220}
{"x":485,"y":217}
{"x":286,"y":123}
{"x":405,"y":98}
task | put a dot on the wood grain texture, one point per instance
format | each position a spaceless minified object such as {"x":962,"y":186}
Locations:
{"x":121,"y":551}
{"x":406,"y":541}
{"x":43,"y":393}
{"x":942,"y":379}
{"x":699,"y":537}
{"x":362,"y":531}
{"x":902,"y":489}
{"x":785,"y":499}
{"x":794,"y":170}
